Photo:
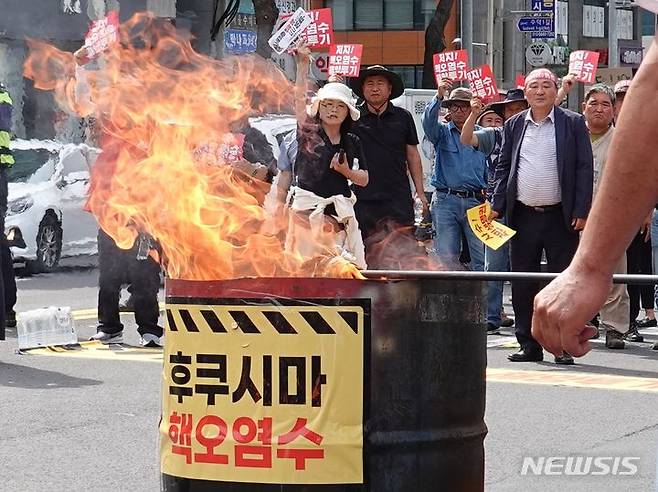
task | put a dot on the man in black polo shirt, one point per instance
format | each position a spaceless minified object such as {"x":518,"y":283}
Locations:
{"x":389,"y":139}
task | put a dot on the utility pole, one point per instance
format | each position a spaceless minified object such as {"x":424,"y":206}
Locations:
{"x":491,"y":17}
{"x":467,"y":27}
{"x":613,"y":35}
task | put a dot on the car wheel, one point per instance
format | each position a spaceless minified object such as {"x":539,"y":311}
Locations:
{"x":49,"y":244}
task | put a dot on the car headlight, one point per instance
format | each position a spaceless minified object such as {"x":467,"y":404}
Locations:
{"x":19,"y":205}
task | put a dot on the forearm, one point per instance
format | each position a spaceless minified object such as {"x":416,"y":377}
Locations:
{"x":358,"y":177}
{"x":629,"y":187}
{"x":430,"y":119}
{"x":416,"y":171}
{"x":468,"y":136}
{"x":300,"y":89}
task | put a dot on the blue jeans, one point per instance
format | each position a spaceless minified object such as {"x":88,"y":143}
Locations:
{"x":495,"y":261}
{"x":449,"y":219}
{"x":654,"y":250}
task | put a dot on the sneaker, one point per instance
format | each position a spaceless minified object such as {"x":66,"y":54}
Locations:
{"x":492,"y":329}
{"x":507,"y":322}
{"x":646,"y":323}
{"x":103,"y":337}
{"x":614,"y":339}
{"x":151,"y":340}
{"x":632,"y":335}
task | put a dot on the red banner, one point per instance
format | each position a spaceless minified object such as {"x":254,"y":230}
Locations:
{"x":320,"y":33}
{"x":450,"y":65}
{"x":482,"y":83}
{"x":345,"y":59}
{"x":102,"y":33}
{"x":520,"y":81}
{"x":583,"y":65}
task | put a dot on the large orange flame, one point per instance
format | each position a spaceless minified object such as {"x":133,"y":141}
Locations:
{"x":157,"y":101}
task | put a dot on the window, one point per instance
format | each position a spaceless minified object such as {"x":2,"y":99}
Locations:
{"x":412,"y":75}
{"x":377,"y":15}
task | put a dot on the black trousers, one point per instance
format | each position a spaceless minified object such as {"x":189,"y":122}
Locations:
{"x":638,"y":257}
{"x":536,"y":233}
{"x":119,"y":266}
{"x":8,"y":284}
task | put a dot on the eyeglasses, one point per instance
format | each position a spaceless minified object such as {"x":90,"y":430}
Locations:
{"x":459,"y":107}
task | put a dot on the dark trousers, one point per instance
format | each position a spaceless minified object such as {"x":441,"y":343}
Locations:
{"x":8,"y":284}
{"x":536,"y":233}
{"x":119,"y":266}
{"x":638,"y":257}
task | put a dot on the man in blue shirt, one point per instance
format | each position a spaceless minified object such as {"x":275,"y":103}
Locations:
{"x":459,"y":177}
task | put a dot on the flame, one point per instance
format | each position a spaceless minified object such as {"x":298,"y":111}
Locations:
{"x":157,"y":101}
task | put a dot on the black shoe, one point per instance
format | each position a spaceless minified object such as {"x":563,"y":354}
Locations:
{"x":507,"y":322}
{"x":10,"y":320}
{"x":564,"y":359}
{"x":632,"y":335}
{"x":492,"y":329}
{"x":527,"y":355}
{"x":646,"y":323}
{"x":614,"y":339}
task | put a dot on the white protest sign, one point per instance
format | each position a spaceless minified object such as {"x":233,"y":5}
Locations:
{"x":290,"y":31}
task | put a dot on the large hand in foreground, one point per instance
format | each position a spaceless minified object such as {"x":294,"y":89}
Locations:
{"x":565,"y":306}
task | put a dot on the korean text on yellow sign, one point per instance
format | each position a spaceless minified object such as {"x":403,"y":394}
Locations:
{"x":263,"y":392}
{"x":493,"y":234}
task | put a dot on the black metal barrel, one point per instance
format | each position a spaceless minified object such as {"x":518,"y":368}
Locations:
{"x":423,"y":379}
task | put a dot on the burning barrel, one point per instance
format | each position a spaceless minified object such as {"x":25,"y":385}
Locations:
{"x":291,"y":384}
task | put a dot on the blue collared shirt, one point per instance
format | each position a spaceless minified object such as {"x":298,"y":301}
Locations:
{"x":457,"y":166}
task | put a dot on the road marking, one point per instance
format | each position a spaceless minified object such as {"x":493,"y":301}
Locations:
{"x":92,"y":313}
{"x":572,"y":379}
{"x":98,"y":350}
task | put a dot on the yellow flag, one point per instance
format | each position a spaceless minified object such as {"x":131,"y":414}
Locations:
{"x":493,"y":234}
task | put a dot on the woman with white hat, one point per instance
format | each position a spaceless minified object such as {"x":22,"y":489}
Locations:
{"x":329,"y":160}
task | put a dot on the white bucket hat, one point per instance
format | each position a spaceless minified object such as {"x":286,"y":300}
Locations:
{"x":337,"y":92}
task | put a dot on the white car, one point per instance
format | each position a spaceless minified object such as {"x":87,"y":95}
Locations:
{"x":48,"y":187}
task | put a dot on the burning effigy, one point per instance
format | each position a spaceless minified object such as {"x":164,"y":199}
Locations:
{"x":160,"y":105}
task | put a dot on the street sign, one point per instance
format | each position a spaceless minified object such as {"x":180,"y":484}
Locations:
{"x":535,"y":24}
{"x":539,"y":54}
{"x":546,"y":7}
{"x":543,"y":5}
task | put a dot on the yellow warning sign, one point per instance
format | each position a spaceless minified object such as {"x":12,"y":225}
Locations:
{"x":492,"y":233}
{"x":264,"y":391}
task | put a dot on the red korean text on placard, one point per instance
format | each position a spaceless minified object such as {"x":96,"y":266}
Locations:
{"x":583,"y":65}
{"x":345,"y":59}
{"x":320,"y":32}
{"x":102,"y":33}
{"x":482,"y":83}
{"x":451,"y":65}
{"x":252,"y":444}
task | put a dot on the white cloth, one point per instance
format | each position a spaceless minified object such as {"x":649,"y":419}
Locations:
{"x":350,"y":246}
{"x":538,"y":178}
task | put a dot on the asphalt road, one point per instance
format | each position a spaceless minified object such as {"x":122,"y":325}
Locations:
{"x":91,"y":424}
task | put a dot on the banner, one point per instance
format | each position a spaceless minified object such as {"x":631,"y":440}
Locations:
{"x":290,"y":31}
{"x":264,"y":391}
{"x":102,"y":33}
{"x":320,"y":32}
{"x":345,"y":59}
{"x":493,"y":234}
{"x":482,"y":83}
{"x":450,"y":65}
{"x":583,"y":65}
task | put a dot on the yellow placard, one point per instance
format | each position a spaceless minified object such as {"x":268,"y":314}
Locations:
{"x":493,"y":234}
{"x":259,"y":391}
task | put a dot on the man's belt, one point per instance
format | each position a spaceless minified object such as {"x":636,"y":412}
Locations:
{"x":462,"y":193}
{"x":544,"y":209}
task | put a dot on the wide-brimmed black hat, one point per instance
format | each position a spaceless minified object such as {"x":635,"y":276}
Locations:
{"x":512,"y":95}
{"x":395,"y":80}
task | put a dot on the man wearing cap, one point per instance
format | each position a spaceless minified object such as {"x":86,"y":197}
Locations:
{"x":488,"y":140}
{"x":389,"y":138}
{"x":459,"y":176}
{"x":544,"y":184}
{"x":621,"y":88}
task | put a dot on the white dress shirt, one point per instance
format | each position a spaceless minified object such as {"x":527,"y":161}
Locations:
{"x":538,"y":178}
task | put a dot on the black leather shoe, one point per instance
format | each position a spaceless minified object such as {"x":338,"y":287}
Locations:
{"x":492,"y":329}
{"x":646,"y":323}
{"x":527,"y":355}
{"x":564,"y":359}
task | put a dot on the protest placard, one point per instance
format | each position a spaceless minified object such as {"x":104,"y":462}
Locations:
{"x":290,"y":31}
{"x":102,"y":33}
{"x":450,"y":65}
{"x":320,"y":32}
{"x":345,"y":59}
{"x":482,"y":83}
{"x":492,"y":233}
{"x":583,"y":65}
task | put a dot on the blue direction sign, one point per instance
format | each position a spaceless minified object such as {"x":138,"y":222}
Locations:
{"x":535,"y":24}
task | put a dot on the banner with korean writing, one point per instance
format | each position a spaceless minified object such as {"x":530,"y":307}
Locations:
{"x":482,"y":83}
{"x":320,"y":32}
{"x":345,"y":59}
{"x":290,"y":31}
{"x":493,"y":234}
{"x":583,"y":65}
{"x":264,"y":391}
{"x":102,"y":33}
{"x":450,"y":65}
